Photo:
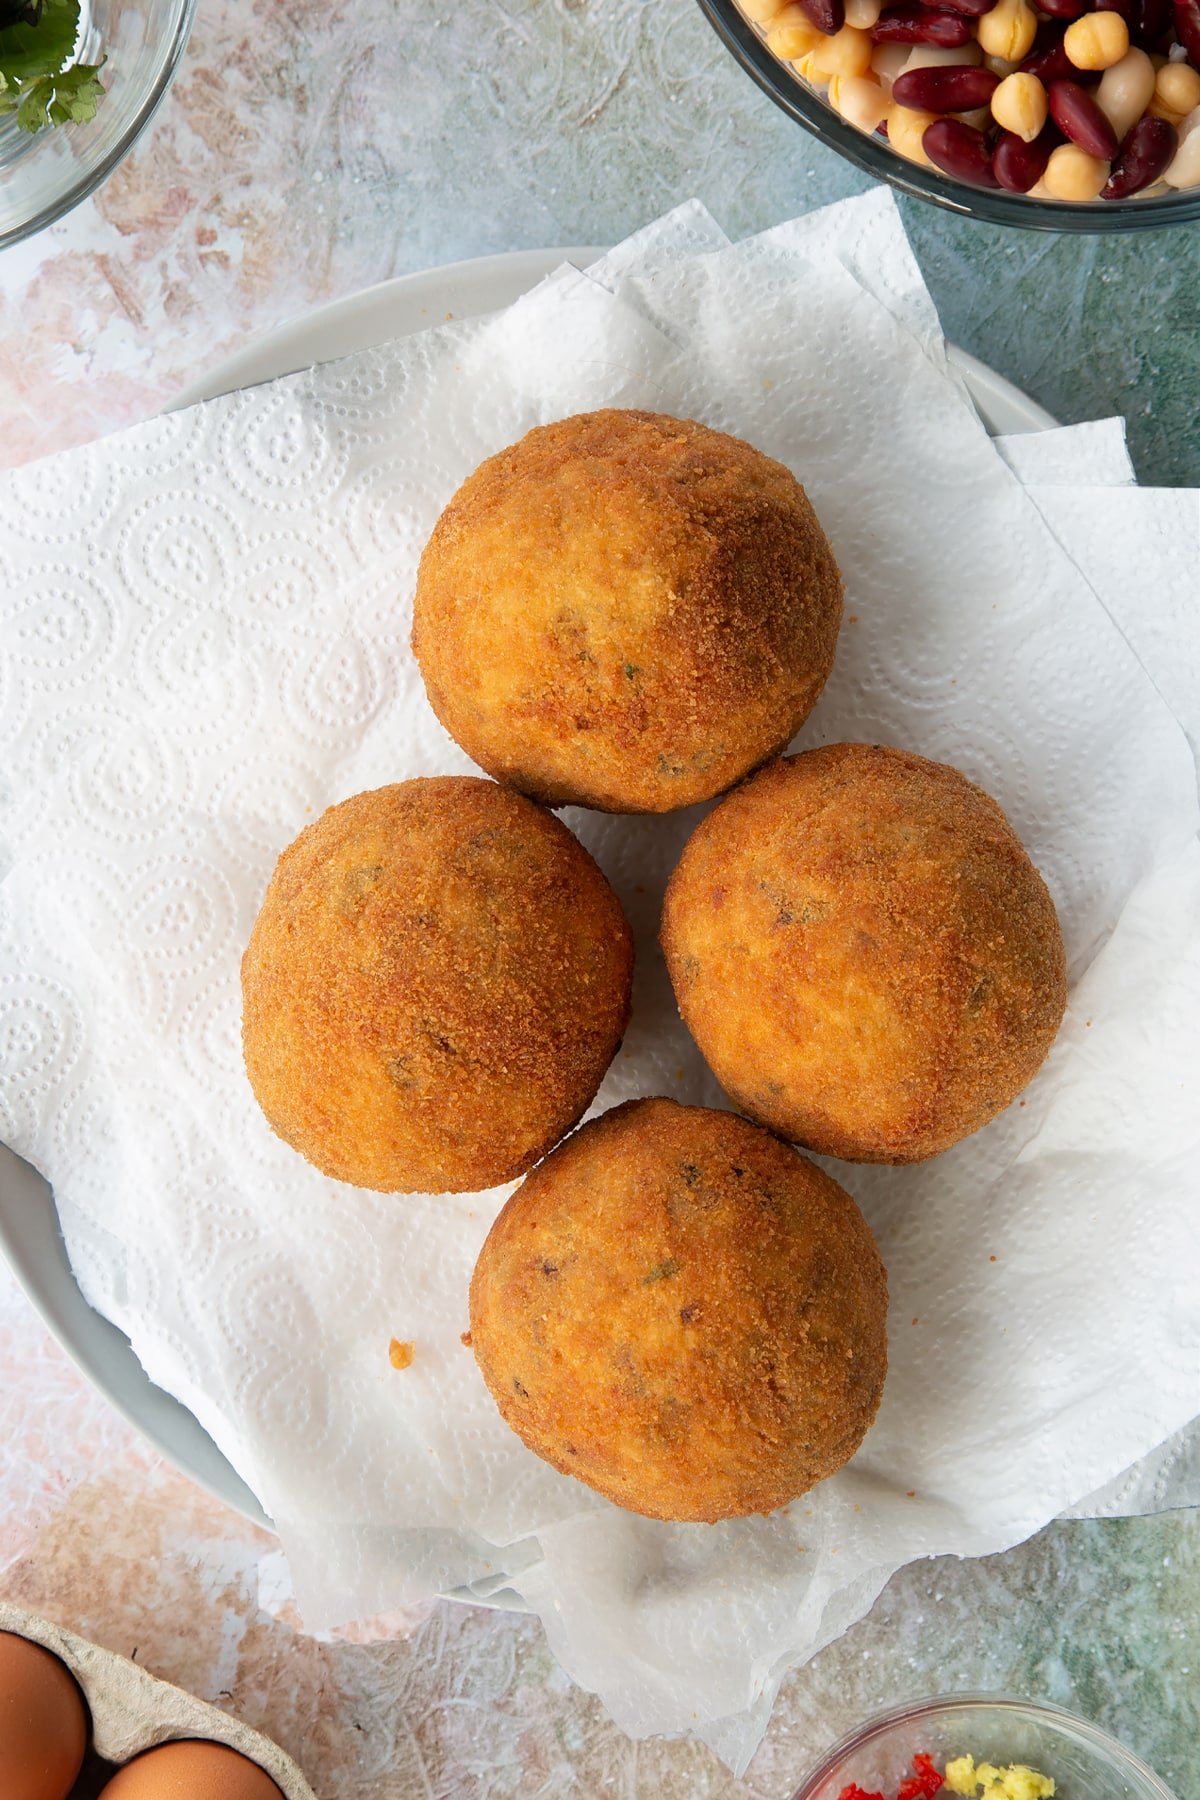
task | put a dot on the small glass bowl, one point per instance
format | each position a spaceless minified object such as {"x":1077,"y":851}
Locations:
{"x":43,"y":176}
{"x":1084,"y":1762}
{"x":872,"y":155}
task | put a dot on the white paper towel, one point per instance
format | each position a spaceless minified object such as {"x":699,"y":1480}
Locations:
{"x":204,"y":640}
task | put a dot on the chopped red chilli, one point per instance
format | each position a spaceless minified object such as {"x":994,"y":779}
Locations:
{"x":926,"y":1782}
{"x":923,"y":1784}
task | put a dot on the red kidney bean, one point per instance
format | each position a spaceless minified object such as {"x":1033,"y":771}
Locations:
{"x":1187,"y":28}
{"x":827,"y":15}
{"x":960,"y":150}
{"x":1079,"y":118}
{"x":1146,"y":150}
{"x":1066,"y":10}
{"x":907,"y":24}
{"x":1018,"y":166}
{"x":1126,"y":8}
{"x":1048,"y":60}
{"x":970,"y":9}
{"x":1151,"y":24}
{"x":954,"y":90}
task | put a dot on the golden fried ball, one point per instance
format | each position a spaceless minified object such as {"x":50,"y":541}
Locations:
{"x":684,"y":1313}
{"x":864,"y":953}
{"x":626,"y":611}
{"x":437,"y":980}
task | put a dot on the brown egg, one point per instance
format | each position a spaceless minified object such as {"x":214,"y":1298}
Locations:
{"x":191,"y":1770}
{"x":43,"y":1722}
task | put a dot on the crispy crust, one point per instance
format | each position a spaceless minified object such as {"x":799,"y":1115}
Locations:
{"x":626,"y":611}
{"x":864,"y":953}
{"x":684,"y":1313}
{"x":437,"y":980}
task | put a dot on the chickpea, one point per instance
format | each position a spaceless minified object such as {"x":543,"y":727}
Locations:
{"x":761,"y":12}
{"x":847,"y":52}
{"x":1177,"y":87}
{"x":906,"y":128}
{"x":859,"y":99}
{"x":1125,"y":91}
{"x":803,"y":65}
{"x":862,"y":14}
{"x":1071,"y":174}
{"x":792,"y":34}
{"x":1019,"y":104}
{"x":1008,"y":30}
{"x":1097,"y":40}
{"x":1157,"y":110}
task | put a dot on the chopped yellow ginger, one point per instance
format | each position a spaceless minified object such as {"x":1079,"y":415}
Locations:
{"x":400,"y":1354}
{"x":1015,"y":1782}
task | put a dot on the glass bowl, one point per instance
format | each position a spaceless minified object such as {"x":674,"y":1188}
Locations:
{"x":1084,"y":1762}
{"x":45,"y":175}
{"x":872,"y":155}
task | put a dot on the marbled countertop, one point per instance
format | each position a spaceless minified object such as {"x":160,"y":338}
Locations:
{"x":304,"y":152}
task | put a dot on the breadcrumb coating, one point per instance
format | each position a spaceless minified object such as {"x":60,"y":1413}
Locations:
{"x":437,"y":980}
{"x":684,"y":1313}
{"x":626,"y":611}
{"x":863,"y":951}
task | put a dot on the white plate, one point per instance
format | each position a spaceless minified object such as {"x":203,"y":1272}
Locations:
{"x":29,"y":1233}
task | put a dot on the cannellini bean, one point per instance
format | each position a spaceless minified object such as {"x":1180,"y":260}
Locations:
{"x":862,"y":14}
{"x":1183,"y":170}
{"x":906,"y":128}
{"x":932,"y":56}
{"x":1008,"y":30}
{"x":1178,"y":87}
{"x":792,"y":34}
{"x":1000,"y":65}
{"x":860,"y":100}
{"x":847,"y":52}
{"x":1097,"y":41}
{"x":1125,"y":91}
{"x":1071,"y":174}
{"x":887,"y":61}
{"x":1019,"y":105}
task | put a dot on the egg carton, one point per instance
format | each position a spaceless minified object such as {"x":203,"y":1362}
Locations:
{"x":133,"y":1710}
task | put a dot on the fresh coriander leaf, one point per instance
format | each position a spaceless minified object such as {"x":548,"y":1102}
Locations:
{"x":77,"y":91}
{"x":68,"y":98}
{"x":33,"y":110}
{"x":27,"y":51}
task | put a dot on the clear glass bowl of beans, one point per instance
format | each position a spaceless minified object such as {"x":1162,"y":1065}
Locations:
{"x":1060,"y":115}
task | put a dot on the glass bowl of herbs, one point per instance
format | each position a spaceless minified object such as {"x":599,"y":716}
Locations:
{"x":79,"y":80}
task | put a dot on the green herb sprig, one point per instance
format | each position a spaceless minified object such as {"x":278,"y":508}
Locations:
{"x":37,"y":40}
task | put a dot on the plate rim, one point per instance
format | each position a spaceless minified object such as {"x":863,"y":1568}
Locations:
{"x":38,"y":1258}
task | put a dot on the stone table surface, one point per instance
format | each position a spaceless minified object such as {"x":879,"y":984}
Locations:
{"x":307,"y":151}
